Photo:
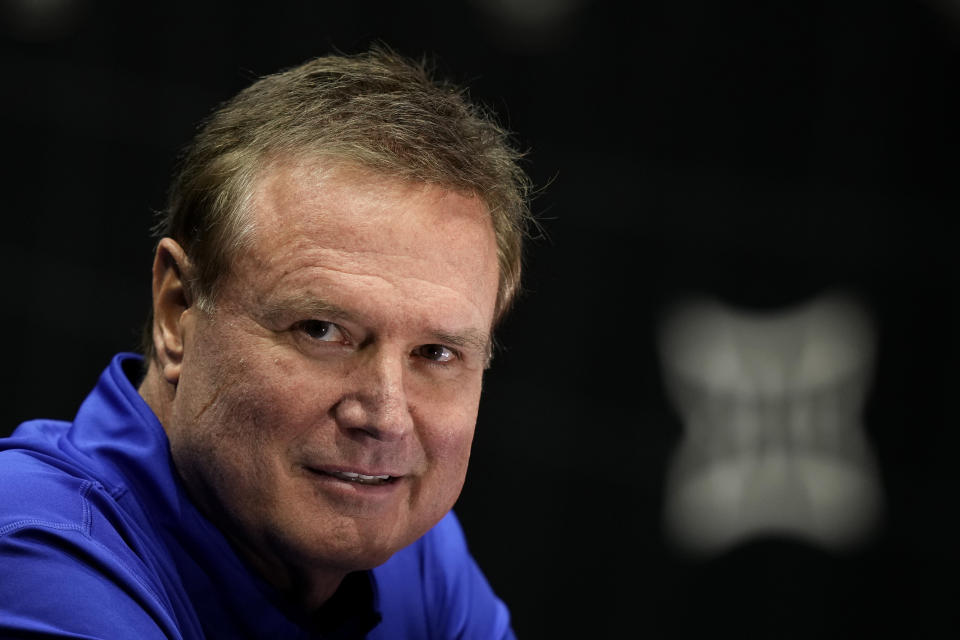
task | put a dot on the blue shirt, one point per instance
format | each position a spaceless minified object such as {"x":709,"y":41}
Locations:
{"x":99,"y":540}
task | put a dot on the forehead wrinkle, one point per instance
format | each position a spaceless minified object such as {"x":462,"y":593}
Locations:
{"x":389,"y":282}
{"x":267,"y":252}
{"x":352,"y":256}
{"x":349,"y":262}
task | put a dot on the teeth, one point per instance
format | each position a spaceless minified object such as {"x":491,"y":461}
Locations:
{"x":359,"y":477}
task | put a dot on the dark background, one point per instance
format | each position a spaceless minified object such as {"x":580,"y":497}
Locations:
{"x":759,"y":152}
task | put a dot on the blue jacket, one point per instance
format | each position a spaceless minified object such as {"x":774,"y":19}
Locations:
{"x":99,"y":540}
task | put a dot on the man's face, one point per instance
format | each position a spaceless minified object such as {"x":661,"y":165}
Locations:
{"x":350,"y":338}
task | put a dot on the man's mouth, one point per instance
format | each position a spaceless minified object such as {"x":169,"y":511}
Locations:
{"x":359,"y":478}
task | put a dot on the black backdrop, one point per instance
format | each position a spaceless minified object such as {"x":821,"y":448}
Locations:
{"x":760,"y":153}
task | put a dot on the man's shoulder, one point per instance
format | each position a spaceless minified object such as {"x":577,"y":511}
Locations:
{"x":47,"y":485}
{"x":39,"y":485}
{"x":64,"y":547}
{"x":51,"y":499}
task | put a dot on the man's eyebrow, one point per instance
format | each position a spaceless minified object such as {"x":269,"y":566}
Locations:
{"x":469,"y":338}
{"x":277,"y":309}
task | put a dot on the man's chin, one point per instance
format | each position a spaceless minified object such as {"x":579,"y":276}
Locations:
{"x":342,"y":554}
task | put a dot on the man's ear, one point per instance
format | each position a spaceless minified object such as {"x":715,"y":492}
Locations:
{"x":171,"y":298}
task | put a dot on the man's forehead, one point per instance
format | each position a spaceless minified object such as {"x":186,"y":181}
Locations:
{"x":308,"y":217}
{"x":312,"y":183}
{"x":342,"y":206}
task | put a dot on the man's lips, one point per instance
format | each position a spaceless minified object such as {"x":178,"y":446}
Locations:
{"x":374,"y":478}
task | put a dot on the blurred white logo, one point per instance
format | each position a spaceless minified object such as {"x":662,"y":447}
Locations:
{"x":771,"y":404}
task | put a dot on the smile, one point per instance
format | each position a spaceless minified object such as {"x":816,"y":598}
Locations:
{"x":359,"y":478}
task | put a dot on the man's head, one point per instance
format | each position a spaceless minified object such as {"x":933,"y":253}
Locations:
{"x":341,"y":241}
{"x":378,"y":111}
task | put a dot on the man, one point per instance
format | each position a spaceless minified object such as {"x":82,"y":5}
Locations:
{"x":339,"y":243}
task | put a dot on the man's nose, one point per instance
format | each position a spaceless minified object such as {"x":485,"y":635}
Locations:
{"x":374,"y":401}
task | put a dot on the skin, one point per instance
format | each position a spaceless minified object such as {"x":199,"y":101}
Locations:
{"x":350,"y":335}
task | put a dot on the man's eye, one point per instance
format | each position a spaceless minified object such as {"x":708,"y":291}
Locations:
{"x":321,"y":330}
{"x":435,"y":352}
